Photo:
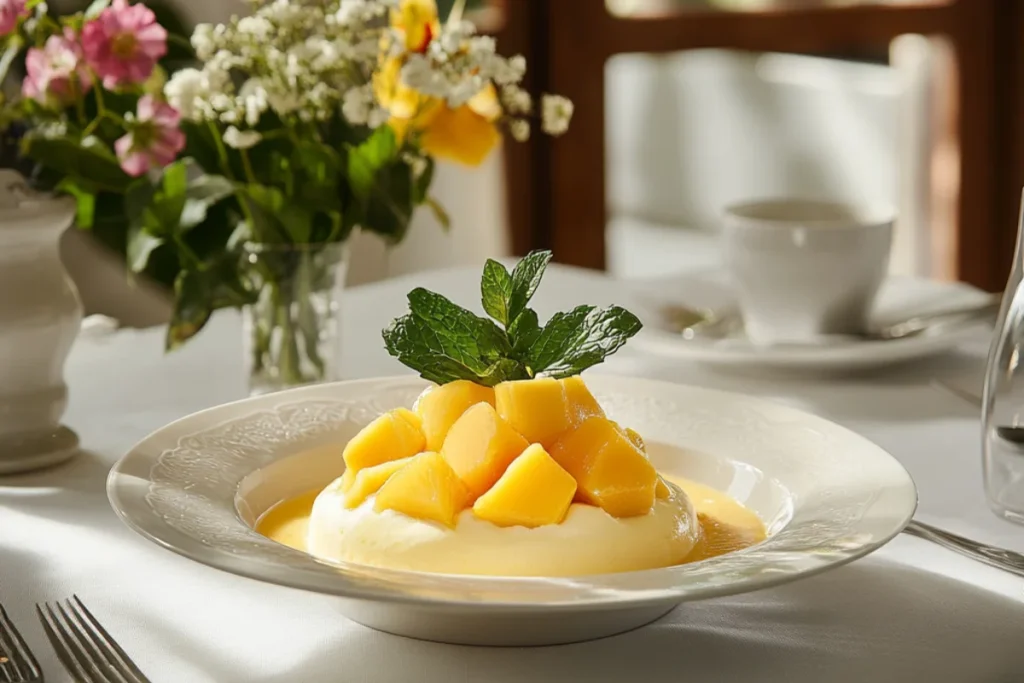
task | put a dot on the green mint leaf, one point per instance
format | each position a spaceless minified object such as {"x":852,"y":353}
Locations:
{"x":415,"y":345}
{"x":574,"y":341}
{"x":525,"y":279}
{"x":523,"y":333}
{"x":444,"y":342}
{"x":505,"y":370}
{"x":476,"y":337}
{"x":495,"y":291}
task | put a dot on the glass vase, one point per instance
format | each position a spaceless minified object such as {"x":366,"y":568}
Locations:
{"x":292,"y":332}
{"x":1002,"y":412}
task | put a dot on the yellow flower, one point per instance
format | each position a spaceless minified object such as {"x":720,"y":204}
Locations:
{"x":466,"y":134}
{"x":400,"y":100}
{"x":418,"y":19}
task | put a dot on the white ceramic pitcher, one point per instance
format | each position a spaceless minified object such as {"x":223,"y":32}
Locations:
{"x":40,"y":314}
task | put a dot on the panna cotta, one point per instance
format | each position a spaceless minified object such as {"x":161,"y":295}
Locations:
{"x":587,"y":541}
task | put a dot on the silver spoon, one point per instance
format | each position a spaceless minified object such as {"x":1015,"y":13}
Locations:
{"x":1007,"y":560}
{"x":701,"y":323}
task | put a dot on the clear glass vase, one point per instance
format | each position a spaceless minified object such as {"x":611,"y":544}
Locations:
{"x":1002,"y":413}
{"x":292,"y":333}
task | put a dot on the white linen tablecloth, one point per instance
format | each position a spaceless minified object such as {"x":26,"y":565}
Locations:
{"x":911,"y":612}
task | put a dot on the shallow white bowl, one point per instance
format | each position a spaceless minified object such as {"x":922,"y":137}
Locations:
{"x":827,"y":496}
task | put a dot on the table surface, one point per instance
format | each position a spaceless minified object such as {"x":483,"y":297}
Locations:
{"x":910,"y":612}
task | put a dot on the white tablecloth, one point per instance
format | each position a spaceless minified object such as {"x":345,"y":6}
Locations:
{"x":911,"y":612}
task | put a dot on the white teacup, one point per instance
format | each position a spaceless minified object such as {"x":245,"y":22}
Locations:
{"x":803,"y":269}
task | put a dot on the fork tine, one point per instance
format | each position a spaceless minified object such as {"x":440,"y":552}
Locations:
{"x":20,"y":657}
{"x":127,"y":666}
{"x":63,"y":645}
{"x":101,"y":662}
{"x":10,"y":668}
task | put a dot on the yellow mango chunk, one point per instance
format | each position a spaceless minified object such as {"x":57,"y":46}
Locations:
{"x":580,"y":403}
{"x":439,"y":408}
{"x":368,"y":481}
{"x":544,"y":409}
{"x":661,"y":490}
{"x":426,"y":488}
{"x":480,"y":446}
{"x":409,"y":416}
{"x":347,"y":478}
{"x":534,"y":491}
{"x":392,"y":436}
{"x":636,"y":440}
{"x":610,"y":471}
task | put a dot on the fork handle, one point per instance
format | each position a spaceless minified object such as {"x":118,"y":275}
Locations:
{"x":1007,"y":560}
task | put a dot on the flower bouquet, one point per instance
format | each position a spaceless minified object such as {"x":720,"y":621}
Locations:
{"x":246,"y":173}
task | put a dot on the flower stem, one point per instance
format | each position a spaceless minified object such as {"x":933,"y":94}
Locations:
{"x":288,"y":353}
{"x":250,"y":175}
{"x":101,"y":108}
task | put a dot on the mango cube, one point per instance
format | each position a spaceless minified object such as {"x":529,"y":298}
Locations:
{"x":544,"y":409}
{"x":480,"y":446}
{"x":636,"y":440}
{"x":426,"y":488}
{"x":440,"y":407}
{"x":580,"y":403}
{"x":348,"y":477}
{"x":392,"y":436}
{"x":534,"y":491}
{"x":611,"y":472}
{"x":368,"y":481}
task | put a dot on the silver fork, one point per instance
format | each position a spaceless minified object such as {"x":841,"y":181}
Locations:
{"x":84,"y":647}
{"x":17,"y":664}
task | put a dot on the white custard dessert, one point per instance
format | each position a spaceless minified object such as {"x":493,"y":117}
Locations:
{"x":588,"y":541}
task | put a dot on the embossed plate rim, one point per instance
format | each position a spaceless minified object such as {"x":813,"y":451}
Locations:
{"x":867,"y":498}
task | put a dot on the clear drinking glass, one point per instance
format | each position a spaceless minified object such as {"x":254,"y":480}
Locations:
{"x":1002,"y":413}
{"x":292,"y":333}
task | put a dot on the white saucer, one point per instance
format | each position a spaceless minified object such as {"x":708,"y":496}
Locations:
{"x":901,"y":298}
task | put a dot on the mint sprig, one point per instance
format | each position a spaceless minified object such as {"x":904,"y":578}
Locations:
{"x":444,"y":342}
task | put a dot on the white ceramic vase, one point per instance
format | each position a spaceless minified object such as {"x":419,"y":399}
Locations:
{"x":40,"y":314}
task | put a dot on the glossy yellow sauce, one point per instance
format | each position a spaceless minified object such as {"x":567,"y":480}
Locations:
{"x":726,"y":525}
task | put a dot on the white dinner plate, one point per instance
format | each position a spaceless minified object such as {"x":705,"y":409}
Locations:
{"x":900,"y":298}
{"x":827,"y":496}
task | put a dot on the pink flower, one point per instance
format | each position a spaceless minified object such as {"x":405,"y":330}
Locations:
{"x":124,"y":43}
{"x":154,"y":140}
{"x":56,"y":73}
{"x":10,"y":12}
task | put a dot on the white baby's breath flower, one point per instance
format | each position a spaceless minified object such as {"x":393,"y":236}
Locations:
{"x":463,"y":92}
{"x":241,"y":139}
{"x":518,"y":65}
{"x":417,"y":164}
{"x":516,"y":100}
{"x":520,"y":130}
{"x":377,"y":118}
{"x":258,"y":27}
{"x":252,"y":97}
{"x":356,"y":106}
{"x":203,"y":41}
{"x":283,"y":102}
{"x":185,"y":90}
{"x":557,"y":113}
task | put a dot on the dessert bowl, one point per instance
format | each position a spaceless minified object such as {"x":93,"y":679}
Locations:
{"x":826,"y":496}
